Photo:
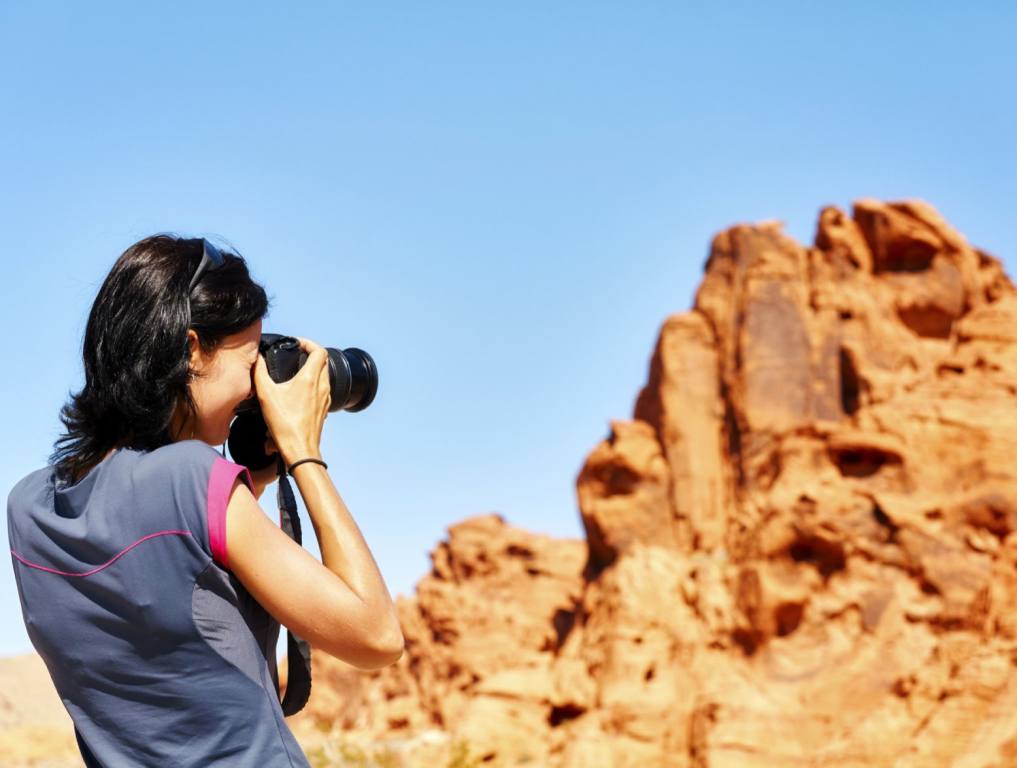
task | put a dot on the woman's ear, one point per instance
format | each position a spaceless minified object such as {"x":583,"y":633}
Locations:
{"x":197,"y":358}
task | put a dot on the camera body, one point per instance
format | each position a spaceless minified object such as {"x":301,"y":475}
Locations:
{"x":352,"y":375}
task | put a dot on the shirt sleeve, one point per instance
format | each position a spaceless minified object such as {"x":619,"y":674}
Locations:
{"x":220,"y":483}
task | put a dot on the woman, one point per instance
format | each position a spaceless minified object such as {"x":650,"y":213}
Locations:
{"x":151,"y":582}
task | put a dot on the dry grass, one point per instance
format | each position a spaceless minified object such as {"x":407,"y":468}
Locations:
{"x":433,"y":752}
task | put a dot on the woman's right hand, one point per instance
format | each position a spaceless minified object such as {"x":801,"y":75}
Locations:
{"x":295,"y":410}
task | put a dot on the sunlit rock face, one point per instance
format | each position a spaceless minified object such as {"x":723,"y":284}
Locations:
{"x":800,"y":551}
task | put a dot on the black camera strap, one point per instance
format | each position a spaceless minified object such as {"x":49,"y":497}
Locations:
{"x":298,"y":651}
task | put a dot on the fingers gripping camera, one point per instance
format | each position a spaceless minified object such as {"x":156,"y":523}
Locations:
{"x":353,"y":379}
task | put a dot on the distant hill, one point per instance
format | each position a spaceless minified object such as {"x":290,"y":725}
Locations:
{"x":35,"y":730}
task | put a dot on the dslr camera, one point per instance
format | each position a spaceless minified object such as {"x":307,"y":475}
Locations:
{"x":352,"y":375}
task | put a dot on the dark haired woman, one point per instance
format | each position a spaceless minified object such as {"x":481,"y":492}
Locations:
{"x":151,"y":583}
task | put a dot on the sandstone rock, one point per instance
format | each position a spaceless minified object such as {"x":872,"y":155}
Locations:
{"x":801,"y":551}
{"x":625,"y":495}
{"x":481,"y":636}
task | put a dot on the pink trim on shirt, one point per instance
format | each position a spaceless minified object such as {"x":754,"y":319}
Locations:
{"x":104,"y":565}
{"x":220,"y":483}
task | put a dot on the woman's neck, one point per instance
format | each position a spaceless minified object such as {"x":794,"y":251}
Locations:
{"x":85,"y":469}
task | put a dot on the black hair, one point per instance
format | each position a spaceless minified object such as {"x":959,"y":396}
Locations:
{"x":136,"y":353}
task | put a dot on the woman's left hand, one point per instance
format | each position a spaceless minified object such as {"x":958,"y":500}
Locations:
{"x":264,"y":477}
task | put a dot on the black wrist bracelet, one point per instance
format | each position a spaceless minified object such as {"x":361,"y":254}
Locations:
{"x":298,"y":463}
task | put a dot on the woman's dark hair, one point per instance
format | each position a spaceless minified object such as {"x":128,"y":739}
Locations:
{"x":135,"y":351}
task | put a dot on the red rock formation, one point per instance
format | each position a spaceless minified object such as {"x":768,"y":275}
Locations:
{"x":482,"y":634}
{"x":801,"y":551}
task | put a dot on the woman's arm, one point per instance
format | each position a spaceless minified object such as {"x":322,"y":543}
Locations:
{"x":341,"y":606}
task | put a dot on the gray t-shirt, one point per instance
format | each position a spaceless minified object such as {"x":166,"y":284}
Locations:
{"x":160,"y":655}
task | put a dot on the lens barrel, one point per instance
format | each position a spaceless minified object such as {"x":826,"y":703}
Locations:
{"x":352,"y":373}
{"x":354,"y":379}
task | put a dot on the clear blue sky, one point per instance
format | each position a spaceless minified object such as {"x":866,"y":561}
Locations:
{"x":501,"y":202}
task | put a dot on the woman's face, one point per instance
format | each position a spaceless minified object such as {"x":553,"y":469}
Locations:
{"x":228,"y":379}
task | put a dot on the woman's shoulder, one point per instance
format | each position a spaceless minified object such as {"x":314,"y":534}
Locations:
{"x":33,"y":479}
{"x":29,"y":487}
{"x":187,"y":461}
{"x":182,"y":453}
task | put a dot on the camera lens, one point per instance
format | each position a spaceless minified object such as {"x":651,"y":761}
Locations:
{"x":354,"y":379}
{"x":352,"y":373}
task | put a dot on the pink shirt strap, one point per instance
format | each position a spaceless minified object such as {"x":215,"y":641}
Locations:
{"x":220,"y":483}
